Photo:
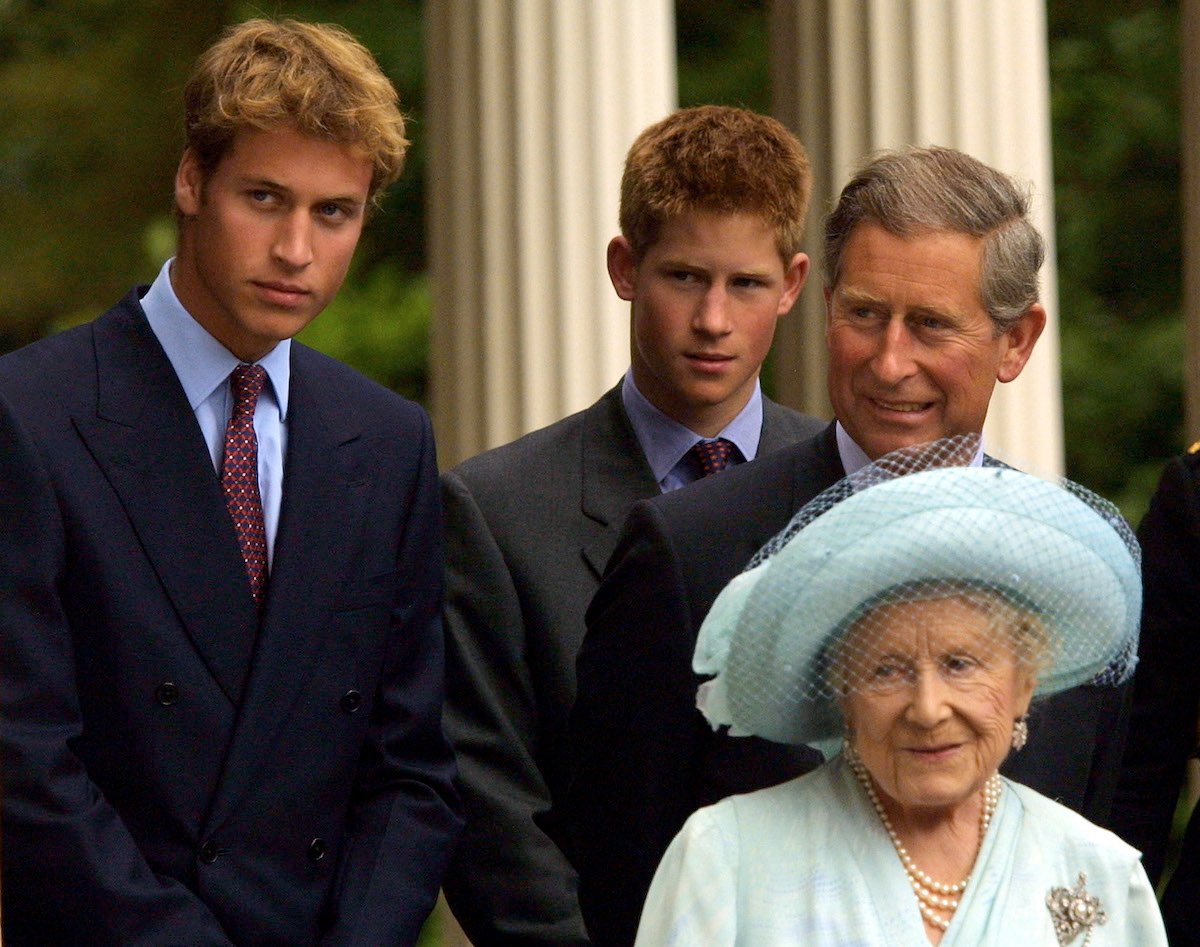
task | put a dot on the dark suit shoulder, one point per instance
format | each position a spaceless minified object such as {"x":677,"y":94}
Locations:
{"x":784,"y":426}
{"x":547,"y":444}
{"x":552,"y":463}
{"x":57,"y":376}
{"x":348,"y":388}
{"x":783,"y":479}
{"x":39,"y":361}
{"x":606,"y":414}
{"x":43,"y":363}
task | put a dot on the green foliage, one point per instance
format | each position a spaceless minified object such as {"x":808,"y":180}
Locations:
{"x":379,"y":323}
{"x":89,"y":138}
{"x":723,"y":53}
{"x":1115,"y":108}
{"x":1122,"y":386}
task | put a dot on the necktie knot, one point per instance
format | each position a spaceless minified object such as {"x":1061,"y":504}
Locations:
{"x":710,"y":457}
{"x":247,"y":382}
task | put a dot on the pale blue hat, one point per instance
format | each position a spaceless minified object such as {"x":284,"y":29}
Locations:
{"x":1056,"y":549}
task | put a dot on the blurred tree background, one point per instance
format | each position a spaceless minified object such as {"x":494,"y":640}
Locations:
{"x":1115,"y":106}
{"x":90,"y":135}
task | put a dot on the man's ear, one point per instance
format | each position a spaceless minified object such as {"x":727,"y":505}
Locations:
{"x":1019,"y":340}
{"x":189,"y":184}
{"x":793,"y":281}
{"x":622,"y":268}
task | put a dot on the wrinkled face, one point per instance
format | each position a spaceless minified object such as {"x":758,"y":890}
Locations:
{"x":913,"y":354}
{"x":940,"y":690}
{"x":268,"y":236}
{"x":705,"y":300}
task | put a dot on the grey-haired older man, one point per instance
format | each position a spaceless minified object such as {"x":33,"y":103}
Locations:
{"x":932,"y":298}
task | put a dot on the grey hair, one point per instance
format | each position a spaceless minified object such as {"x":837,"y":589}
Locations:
{"x":1015,"y":623}
{"x":928,"y":190}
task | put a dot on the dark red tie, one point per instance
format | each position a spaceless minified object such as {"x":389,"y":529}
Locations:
{"x":710,"y":457}
{"x":239,"y":476}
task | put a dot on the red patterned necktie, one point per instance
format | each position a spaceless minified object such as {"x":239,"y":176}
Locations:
{"x":710,"y":457}
{"x":239,"y":476}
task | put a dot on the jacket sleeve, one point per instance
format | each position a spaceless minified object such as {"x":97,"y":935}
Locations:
{"x":72,"y":871}
{"x":1163,"y":725}
{"x":404,"y":815}
{"x":635,"y":735}
{"x":509,"y":882}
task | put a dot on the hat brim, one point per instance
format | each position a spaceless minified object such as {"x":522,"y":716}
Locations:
{"x":990,"y":527}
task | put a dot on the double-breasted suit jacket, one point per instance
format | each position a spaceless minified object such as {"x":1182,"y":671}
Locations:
{"x":176,"y":770}
{"x":529,"y":528}
{"x":645,"y":759}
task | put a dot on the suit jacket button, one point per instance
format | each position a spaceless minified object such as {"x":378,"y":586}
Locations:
{"x":317,"y":849}
{"x":351,"y":701}
{"x":209,"y":852}
{"x":166,"y":693}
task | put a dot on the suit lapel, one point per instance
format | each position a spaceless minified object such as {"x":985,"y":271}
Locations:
{"x":817,"y":466}
{"x":326,"y":489}
{"x":615,"y":476}
{"x":145,"y":438}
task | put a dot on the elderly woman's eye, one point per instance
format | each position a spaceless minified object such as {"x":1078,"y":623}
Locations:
{"x":958,"y":664}
{"x":887,"y":675}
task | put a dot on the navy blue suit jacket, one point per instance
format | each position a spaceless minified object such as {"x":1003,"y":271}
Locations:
{"x":177,"y":771}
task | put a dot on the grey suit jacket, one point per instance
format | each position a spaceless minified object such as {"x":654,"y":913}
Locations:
{"x":529,"y":528}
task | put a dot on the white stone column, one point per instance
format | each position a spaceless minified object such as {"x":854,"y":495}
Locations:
{"x":531,"y":107}
{"x":854,"y":76}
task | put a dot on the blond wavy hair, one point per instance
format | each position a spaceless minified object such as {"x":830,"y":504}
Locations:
{"x":317,"y":78}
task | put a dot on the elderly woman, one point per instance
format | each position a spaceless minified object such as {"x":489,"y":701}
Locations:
{"x":913,"y":620}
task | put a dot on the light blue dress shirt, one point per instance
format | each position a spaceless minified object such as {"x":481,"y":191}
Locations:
{"x":204,"y":365}
{"x":665,"y":441}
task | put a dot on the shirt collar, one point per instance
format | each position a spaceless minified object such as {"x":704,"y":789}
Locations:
{"x":664,"y":440}
{"x":855,"y":458}
{"x":201,"y":362}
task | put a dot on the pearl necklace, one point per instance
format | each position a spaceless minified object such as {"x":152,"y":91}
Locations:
{"x":936,"y":900}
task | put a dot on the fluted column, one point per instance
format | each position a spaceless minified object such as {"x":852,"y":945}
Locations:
{"x":532,"y":105}
{"x":854,"y":76}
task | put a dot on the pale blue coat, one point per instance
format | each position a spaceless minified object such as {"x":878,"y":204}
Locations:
{"x":808,"y":862}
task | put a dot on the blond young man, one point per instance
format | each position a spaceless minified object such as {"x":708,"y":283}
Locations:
{"x":220,"y":559}
{"x":713,"y":201}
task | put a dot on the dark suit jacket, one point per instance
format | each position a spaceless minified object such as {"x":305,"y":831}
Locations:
{"x":645,"y":759}
{"x":529,"y":527}
{"x":1166,"y":695}
{"x":174,"y":771}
